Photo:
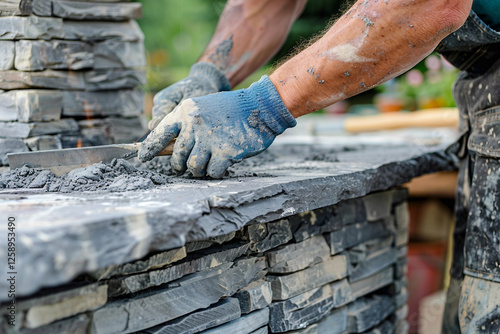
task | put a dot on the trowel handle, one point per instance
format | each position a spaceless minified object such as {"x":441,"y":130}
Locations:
{"x":167,"y":150}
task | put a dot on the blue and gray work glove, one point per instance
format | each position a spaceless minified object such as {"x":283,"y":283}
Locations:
{"x":203,"y":79}
{"x":215,"y":131}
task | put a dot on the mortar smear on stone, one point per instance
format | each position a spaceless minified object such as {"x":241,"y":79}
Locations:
{"x":117,"y":176}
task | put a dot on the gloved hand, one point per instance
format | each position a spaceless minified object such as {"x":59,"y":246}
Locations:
{"x":215,"y":131}
{"x":203,"y":79}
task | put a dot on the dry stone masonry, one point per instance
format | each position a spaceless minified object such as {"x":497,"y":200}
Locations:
{"x":70,"y":74}
{"x":335,"y":269}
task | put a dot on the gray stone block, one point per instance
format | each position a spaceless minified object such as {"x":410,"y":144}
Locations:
{"x":10,"y":146}
{"x":264,"y":237}
{"x":302,"y":310}
{"x":402,"y":251}
{"x":401,"y":312}
{"x":25,"y":130}
{"x":45,"y":310}
{"x":126,"y":103}
{"x":402,"y":238}
{"x":378,"y":205}
{"x":98,"y":80}
{"x":243,"y":325}
{"x":75,"y":325}
{"x":180,"y":298}
{"x":384,"y":328}
{"x":255,"y":296}
{"x":334,"y":323}
{"x":373,"y":283}
{"x":42,"y":7}
{"x":45,"y":79}
{"x":128,"y":31}
{"x":311,"y":329}
{"x":360,"y":252}
{"x":112,"y":130}
{"x":38,"y":105}
{"x":355,"y":234}
{"x":42,"y":143}
{"x":96,"y":11}
{"x":202,"y":244}
{"x":194,"y":262}
{"x":154,"y":261}
{"x":8,"y":106}
{"x":285,"y":287}
{"x":402,"y":216}
{"x":315,"y":222}
{"x":263,"y":330}
{"x":350,"y":211}
{"x":224,"y":311}
{"x":402,"y":327}
{"x":60,"y":55}
{"x":118,"y":54}
{"x":7,"y":54}
{"x":341,"y":292}
{"x":399,"y":195}
{"x":373,"y":263}
{"x":15,"y":7}
{"x":368,"y":312}
{"x":401,"y":268}
{"x":297,"y":256}
{"x":31,"y":27}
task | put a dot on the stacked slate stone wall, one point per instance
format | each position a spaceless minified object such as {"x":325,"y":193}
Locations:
{"x":70,"y":73}
{"x":338,"y":269}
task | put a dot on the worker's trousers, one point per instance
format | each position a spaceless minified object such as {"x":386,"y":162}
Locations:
{"x":473,"y":300}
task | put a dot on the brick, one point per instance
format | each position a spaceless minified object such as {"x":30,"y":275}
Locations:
{"x":31,"y":27}
{"x":285,"y":287}
{"x":128,"y":31}
{"x":60,"y":55}
{"x":297,"y":256}
{"x":118,"y":54}
{"x":96,"y":11}
{"x":359,"y":253}
{"x":45,"y":79}
{"x":126,"y":103}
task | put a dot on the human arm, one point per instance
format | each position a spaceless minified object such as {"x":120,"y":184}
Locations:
{"x":248,"y":34}
{"x":375,"y":41}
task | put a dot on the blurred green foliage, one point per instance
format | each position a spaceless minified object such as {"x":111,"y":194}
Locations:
{"x":177,"y":31}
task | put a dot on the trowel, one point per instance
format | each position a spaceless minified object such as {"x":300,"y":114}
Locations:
{"x":64,"y":160}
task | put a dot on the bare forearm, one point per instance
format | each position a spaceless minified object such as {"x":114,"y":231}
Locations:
{"x":248,"y":34}
{"x":370,"y":44}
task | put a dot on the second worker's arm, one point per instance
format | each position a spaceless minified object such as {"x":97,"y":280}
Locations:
{"x":248,"y":34}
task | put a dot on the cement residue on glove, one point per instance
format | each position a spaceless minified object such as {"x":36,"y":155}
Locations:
{"x":117,"y":176}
